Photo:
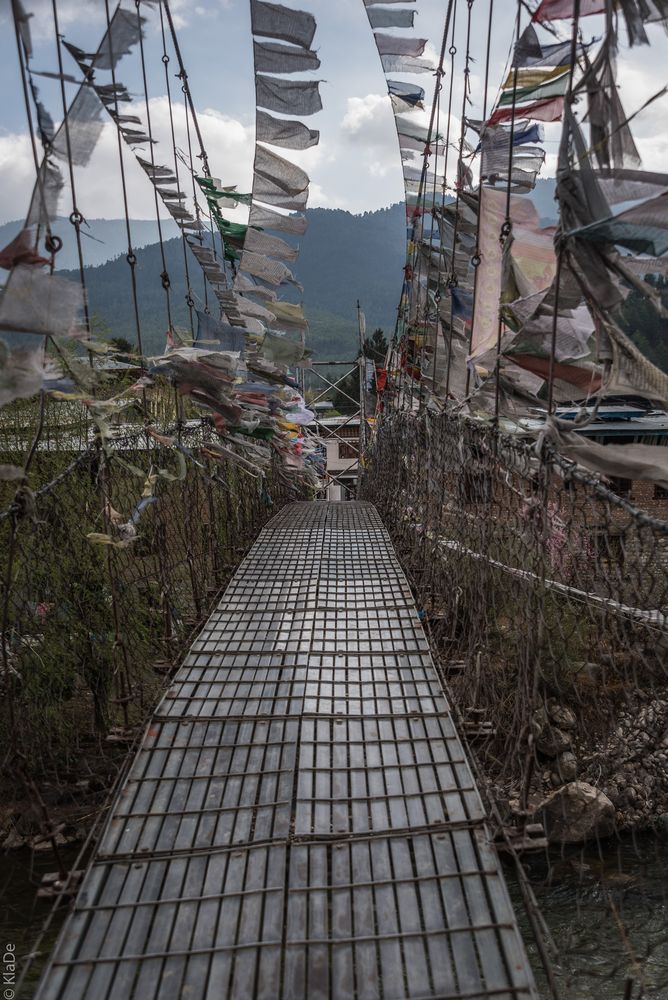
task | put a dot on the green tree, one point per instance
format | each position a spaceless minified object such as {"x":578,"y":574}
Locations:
{"x":375,"y":348}
{"x":641,"y":322}
{"x":122,"y":345}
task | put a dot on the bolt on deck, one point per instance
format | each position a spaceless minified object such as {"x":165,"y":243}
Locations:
{"x":301,"y":820}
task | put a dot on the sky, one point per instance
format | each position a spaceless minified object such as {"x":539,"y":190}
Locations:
{"x":355,"y":167}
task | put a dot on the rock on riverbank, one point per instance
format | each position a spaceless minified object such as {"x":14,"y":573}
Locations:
{"x":590,"y":787}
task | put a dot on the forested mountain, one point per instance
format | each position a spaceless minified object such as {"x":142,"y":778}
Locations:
{"x":343,"y":257}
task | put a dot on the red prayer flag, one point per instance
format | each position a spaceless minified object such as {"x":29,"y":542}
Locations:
{"x":21,"y":250}
{"x":584,"y":379}
{"x":555,"y":10}
{"x":550,"y":109}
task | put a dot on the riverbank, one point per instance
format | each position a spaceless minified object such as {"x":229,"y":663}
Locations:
{"x":606,"y":909}
{"x":66,"y":804}
{"x":590,"y":784}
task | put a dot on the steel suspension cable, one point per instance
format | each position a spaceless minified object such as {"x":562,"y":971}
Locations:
{"x":420,"y":194}
{"x":130,"y":256}
{"x":447,"y":150}
{"x":475,"y":259}
{"x":76,"y":218}
{"x":164,"y":277}
{"x":452,"y":52}
{"x":507,"y":227}
{"x":452,"y":283}
{"x":165,"y":63}
{"x":183,"y":76}
{"x":22,"y":57}
{"x":185,"y":90}
{"x":560,"y":248}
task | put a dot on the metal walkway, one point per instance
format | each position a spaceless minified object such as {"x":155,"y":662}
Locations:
{"x":301,"y":820}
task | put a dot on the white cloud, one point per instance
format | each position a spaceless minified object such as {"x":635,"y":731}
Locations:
{"x":368,"y":121}
{"x":228,"y":142}
{"x":381,"y":168}
{"x":18,"y":176}
{"x":41,"y":20}
{"x":317,"y":198}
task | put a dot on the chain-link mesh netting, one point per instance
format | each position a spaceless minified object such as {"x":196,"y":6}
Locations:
{"x":90,"y":629}
{"x":546,"y":597}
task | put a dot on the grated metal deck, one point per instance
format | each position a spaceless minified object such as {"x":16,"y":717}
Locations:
{"x":300,"y":820}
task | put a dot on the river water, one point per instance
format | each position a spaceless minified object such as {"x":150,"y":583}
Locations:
{"x":607,"y":913}
{"x":22,"y":914}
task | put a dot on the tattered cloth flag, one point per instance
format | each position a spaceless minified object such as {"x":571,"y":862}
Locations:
{"x":273,"y":20}
{"x":22,"y":19}
{"x":642,"y":228}
{"x":81,"y":126}
{"x":406,"y":92}
{"x":549,"y":110}
{"x":212,"y":334}
{"x":21,"y":250}
{"x":531,"y":252}
{"x":36,"y":302}
{"x":260,"y":242}
{"x":277,"y":181}
{"x":408,"y":129}
{"x":281,"y":132}
{"x":290,"y":315}
{"x":462,"y":304}
{"x":406,"y":64}
{"x":300,"y":97}
{"x":379,"y":18}
{"x":244,"y":283}
{"x":265,"y":218}
{"x":21,"y":371}
{"x":556,"y":10}
{"x":399,"y":45}
{"x":529,"y":51}
{"x":124,"y":33}
{"x":275,"y":58}
{"x":642,"y":461}
{"x":271,"y":271}
{"x":44,"y":120}
{"x":538,"y":85}
{"x":281,"y":350}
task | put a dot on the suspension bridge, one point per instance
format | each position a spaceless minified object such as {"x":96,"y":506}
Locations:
{"x":301,"y":813}
{"x":301,"y":819}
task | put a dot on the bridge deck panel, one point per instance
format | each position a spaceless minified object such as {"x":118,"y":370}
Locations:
{"x":301,"y":820}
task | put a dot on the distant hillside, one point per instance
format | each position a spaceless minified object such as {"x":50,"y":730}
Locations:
{"x":343,"y":257}
{"x":103,"y":239}
{"x":349,"y":257}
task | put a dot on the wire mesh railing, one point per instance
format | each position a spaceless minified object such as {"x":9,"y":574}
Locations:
{"x":107,"y":567}
{"x":545,"y":592}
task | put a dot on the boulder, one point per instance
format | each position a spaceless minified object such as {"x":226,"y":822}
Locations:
{"x":567,"y":766}
{"x":577,"y":812}
{"x":561,"y":715}
{"x":553,"y":741}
